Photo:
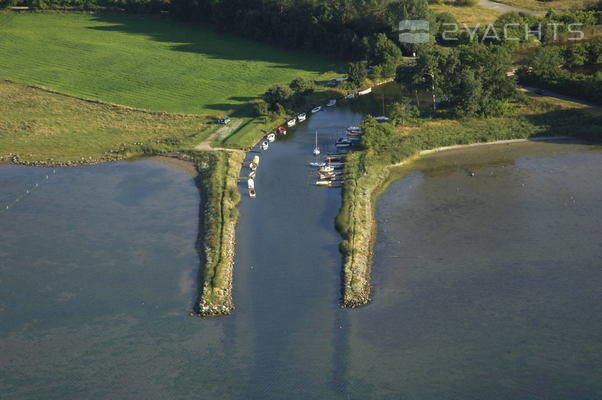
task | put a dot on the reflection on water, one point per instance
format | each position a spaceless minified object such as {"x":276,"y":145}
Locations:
{"x":486,"y":286}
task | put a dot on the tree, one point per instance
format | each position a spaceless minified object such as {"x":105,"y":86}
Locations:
{"x":261,"y":108}
{"x":404,"y":112}
{"x":358,"y":73}
{"x":278,"y":94}
{"x":547,"y":62}
{"x":302,"y":85}
{"x":375,"y":134}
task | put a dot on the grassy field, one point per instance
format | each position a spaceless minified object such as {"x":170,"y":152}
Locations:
{"x":557,"y":5}
{"x":145,"y":62}
{"x":37,"y":125}
{"x":470,"y":16}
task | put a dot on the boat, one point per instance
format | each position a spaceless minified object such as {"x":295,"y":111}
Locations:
{"x":326,"y":168}
{"x":364,"y":92}
{"x":301,"y":117}
{"x":316,"y":109}
{"x":252,"y":193}
{"x":252,"y":174}
{"x":255,"y":160}
{"x":316,"y":147}
{"x":343,"y":144}
{"x":350,"y":96}
{"x":251,"y":184}
{"x":382,"y":118}
{"x":282,"y":130}
{"x":317,"y":164}
{"x":335,"y":158}
{"x":354,"y":130}
{"x":324,"y":183}
{"x":291,"y":123}
{"x":264,"y":145}
{"x":253,"y":166}
{"x":328,"y":175}
{"x":271,"y":137}
{"x":331,"y":103}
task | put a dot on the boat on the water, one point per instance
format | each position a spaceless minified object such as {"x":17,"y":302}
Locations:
{"x":335,"y":158}
{"x":316,"y":109}
{"x":264,"y":145}
{"x":382,"y":118}
{"x":316,"y":147}
{"x":291,"y":123}
{"x":364,"y":92}
{"x":252,"y":174}
{"x":317,"y":164}
{"x":301,"y":117}
{"x":326,"y":168}
{"x":251,"y":183}
{"x":271,"y":137}
{"x":255,"y":160}
{"x":282,"y":130}
{"x":324,"y":183}
{"x":331,"y":103}
{"x":252,"y":166}
{"x":252,"y":193}
{"x":350,"y":96}
{"x":354,"y":130}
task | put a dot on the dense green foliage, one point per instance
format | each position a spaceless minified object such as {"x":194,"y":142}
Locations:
{"x":149,"y":62}
{"x":557,"y":68}
{"x":340,"y":27}
{"x":471,"y":79}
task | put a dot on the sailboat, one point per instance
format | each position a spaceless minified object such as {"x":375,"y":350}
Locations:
{"x":383,"y":118}
{"x":316,"y":148}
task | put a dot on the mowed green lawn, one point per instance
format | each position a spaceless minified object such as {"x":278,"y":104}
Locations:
{"x":145,"y":62}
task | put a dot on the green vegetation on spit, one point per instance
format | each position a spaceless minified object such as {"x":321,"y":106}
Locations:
{"x":218,"y":181}
{"x":368,"y":171}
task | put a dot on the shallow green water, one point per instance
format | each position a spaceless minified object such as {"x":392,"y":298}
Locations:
{"x":487,"y":287}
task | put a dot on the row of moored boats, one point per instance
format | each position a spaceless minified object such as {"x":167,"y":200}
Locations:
{"x":330,"y":170}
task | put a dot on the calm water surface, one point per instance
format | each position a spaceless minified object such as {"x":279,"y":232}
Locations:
{"x":487,"y":286}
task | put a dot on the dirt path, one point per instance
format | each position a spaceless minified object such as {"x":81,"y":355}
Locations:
{"x":548,"y":93}
{"x":504,"y":8}
{"x":219,"y":134}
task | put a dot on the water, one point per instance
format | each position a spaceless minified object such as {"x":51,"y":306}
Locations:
{"x":486,"y":286}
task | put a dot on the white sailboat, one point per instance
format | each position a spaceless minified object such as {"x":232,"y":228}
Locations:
{"x":316,"y":148}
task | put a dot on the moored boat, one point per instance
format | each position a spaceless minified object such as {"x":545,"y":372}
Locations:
{"x":301,"y":117}
{"x":282,"y":130}
{"x":271,"y":137}
{"x":326,"y":168}
{"x":364,"y":92}
{"x":350,"y":96}
{"x":252,"y":166}
{"x":251,"y":183}
{"x":354,"y":130}
{"x":316,"y":109}
{"x":264,"y":145}
{"x":252,"y":174}
{"x":382,"y":119}
{"x":291,"y":123}
{"x":324,"y":183}
{"x":317,"y":164}
{"x":335,"y":158}
{"x":252,"y":193}
{"x":331,"y":103}
{"x":255,"y":160}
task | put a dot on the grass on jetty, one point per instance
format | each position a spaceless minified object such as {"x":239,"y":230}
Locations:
{"x":218,"y":180}
{"x":40,"y":126}
{"x":368,"y":171}
{"x":146,"y":62}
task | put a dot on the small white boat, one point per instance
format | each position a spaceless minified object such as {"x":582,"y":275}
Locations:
{"x":255,"y":160}
{"x":271,"y":137}
{"x":317,"y":164}
{"x":252,"y":174}
{"x":382,"y":119}
{"x":331,"y":103}
{"x":252,"y":193}
{"x":251,"y":183}
{"x":326,"y":168}
{"x":343,"y":144}
{"x":316,"y":109}
{"x":324,"y":183}
{"x":316,"y":147}
{"x":253,"y":166}
{"x":364,"y":92}
{"x":350,"y":96}
{"x":301,"y":117}
{"x":291,"y":123}
{"x":354,"y":130}
{"x":264,"y":145}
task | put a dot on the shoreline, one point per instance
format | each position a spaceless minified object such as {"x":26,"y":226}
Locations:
{"x":359,"y":240}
